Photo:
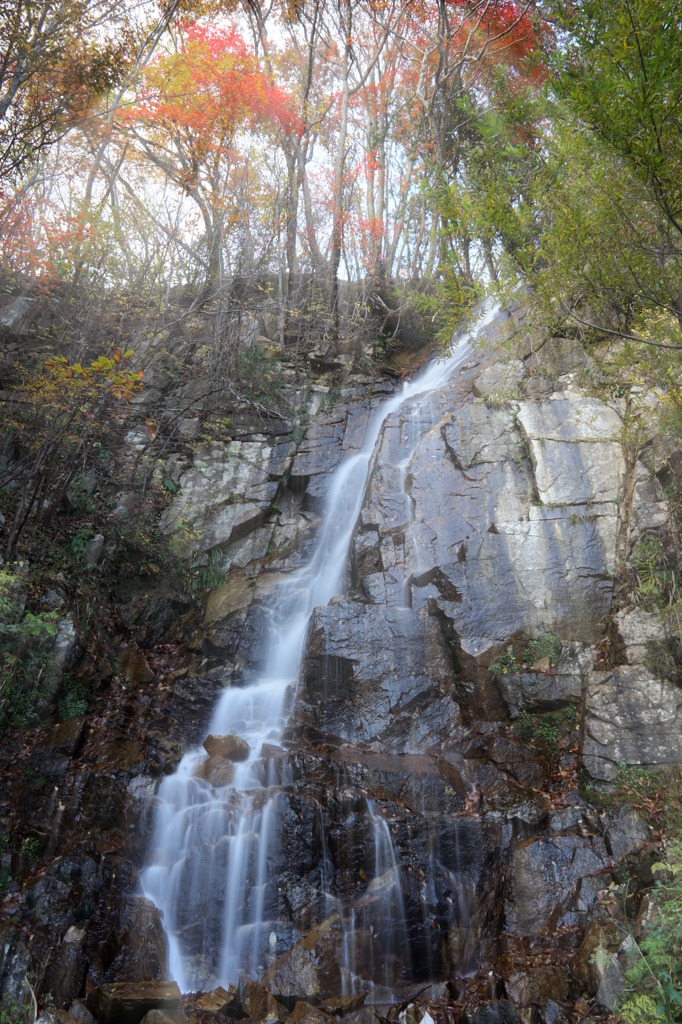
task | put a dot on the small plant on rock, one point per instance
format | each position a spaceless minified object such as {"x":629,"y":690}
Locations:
{"x":506,"y":664}
{"x":546,"y":646}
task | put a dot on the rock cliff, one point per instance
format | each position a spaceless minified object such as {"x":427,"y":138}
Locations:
{"x":479,"y":677}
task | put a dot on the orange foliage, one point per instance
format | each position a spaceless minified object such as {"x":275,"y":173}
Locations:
{"x":209,"y":90}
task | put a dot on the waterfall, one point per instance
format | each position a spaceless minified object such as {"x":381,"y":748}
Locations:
{"x":210,"y":868}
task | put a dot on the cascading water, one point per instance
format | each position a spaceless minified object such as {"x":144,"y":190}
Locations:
{"x":210,"y":868}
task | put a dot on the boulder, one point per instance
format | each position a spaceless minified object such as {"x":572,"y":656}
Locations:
{"x":66,"y":648}
{"x":229,"y":748}
{"x":259,"y":1005}
{"x":304,"y":1013}
{"x":127,"y":1003}
{"x":310,"y":969}
{"x":268,"y":349}
{"x":218,"y":1000}
{"x":601,"y":939}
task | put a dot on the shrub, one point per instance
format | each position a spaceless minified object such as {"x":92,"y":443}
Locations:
{"x":655,"y":978}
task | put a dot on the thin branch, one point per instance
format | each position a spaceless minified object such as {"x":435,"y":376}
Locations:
{"x":617,"y":334}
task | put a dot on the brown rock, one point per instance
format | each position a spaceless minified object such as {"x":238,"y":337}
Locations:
{"x":217,"y":770}
{"x":543,"y":665}
{"x":586,"y":967}
{"x":304,"y":1013}
{"x":128,"y":1003}
{"x":309,"y":969}
{"x":66,"y":736}
{"x":218,"y":1000}
{"x":341,"y":1005}
{"x":259,"y":1004}
{"x":537,"y":987}
{"x":133,"y":666}
{"x":231,"y":748}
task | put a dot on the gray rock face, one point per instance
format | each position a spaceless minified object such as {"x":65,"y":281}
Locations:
{"x":575,"y":445}
{"x":555,"y":880}
{"x":500,"y":380}
{"x":631,"y":717}
{"x":372,"y":672}
{"x":226,"y":493}
{"x":637,"y":627}
{"x":537,"y":691}
{"x":505,"y":522}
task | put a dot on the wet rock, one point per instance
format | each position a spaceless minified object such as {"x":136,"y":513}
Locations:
{"x":319,"y":452}
{"x":217,"y":771}
{"x":159,"y":1017}
{"x":600,"y":941}
{"x":142,"y":952}
{"x":50,"y":898}
{"x":230,"y":748}
{"x":539,"y":691}
{"x":258,"y":1004}
{"x":80,"y":1013}
{"x":133,"y":666}
{"x":537,"y":987}
{"x":555,"y":880}
{"x":502,"y":1012}
{"x":65,"y":974}
{"x":631,"y":717}
{"x":369,"y":673}
{"x":218,"y":1000}
{"x":304,"y":1013}
{"x":123,"y":1003}
{"x":63,"y":741}
{"x":478,"y":531}
{"x":340,"y":1006}
{"x":309,"y":970}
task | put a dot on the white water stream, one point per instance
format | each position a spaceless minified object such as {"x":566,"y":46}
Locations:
{"x":210,"y":867}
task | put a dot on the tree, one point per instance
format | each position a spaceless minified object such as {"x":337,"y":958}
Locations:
{"x":621,"y":75}
{"x":192,"y":105}
{"x":579,"y":185}
{"x":52,"y":423}
{"x":56,"y":57}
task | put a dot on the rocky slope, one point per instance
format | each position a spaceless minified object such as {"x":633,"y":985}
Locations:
{"x":500,"y":511}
